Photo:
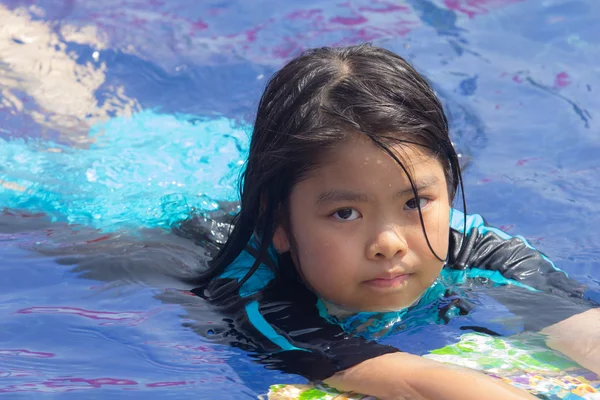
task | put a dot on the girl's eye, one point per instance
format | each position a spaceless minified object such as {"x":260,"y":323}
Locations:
{"x":412,"y":203}
{"x":346,"y":214}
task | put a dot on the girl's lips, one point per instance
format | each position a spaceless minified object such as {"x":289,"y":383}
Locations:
{"x":388,"y":282}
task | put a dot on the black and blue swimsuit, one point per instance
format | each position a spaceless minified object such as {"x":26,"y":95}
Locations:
{"x":286,"y":326}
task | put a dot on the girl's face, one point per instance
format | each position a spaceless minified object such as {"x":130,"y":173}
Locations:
{"x":359,"y":240}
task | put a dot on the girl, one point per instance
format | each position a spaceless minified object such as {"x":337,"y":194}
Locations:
{"x":345,"y":231}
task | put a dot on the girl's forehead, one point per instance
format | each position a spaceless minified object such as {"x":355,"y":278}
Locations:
{"x":360,"y":150}
{"x":359,"y":164}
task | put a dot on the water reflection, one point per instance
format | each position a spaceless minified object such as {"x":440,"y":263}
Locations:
{"x":43,"y":80}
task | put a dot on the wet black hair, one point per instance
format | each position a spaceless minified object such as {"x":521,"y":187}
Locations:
{"x":311,"y":105}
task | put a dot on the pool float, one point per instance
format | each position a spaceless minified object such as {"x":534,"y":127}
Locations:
{"x":523,"y":361}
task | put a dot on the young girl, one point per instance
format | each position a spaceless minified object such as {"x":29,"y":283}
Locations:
{"x":346,"y":231}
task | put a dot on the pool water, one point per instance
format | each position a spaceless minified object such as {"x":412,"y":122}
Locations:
{"x":119,"y":118}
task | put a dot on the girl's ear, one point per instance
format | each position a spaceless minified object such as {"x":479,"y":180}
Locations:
{"x":281,"y":241}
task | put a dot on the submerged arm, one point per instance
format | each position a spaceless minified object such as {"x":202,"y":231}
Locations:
{"x":578,"y":337}
{"x":569,"y":330}
{"x":300,"y":341}
{"x":406,"y":376}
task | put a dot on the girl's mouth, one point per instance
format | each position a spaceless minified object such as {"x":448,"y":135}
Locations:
{"x":391,"y":282}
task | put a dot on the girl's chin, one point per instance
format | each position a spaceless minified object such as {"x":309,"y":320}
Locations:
{"x":342,"y":311}
{"x":391,"y":306}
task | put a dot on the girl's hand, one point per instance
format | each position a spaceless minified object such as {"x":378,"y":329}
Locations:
{"x":408,"y":377}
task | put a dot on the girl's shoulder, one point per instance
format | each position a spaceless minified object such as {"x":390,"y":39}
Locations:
{"x":478,"y":250}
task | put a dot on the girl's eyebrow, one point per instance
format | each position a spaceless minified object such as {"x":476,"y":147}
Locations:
{"x":336,"y":195}
{"x":339,"y":195}
{"x":423,"y":183}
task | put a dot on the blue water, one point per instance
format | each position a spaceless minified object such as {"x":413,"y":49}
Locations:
{"x":117,"y":118}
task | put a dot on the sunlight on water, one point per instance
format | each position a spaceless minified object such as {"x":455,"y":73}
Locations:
{"x":147,"y":170}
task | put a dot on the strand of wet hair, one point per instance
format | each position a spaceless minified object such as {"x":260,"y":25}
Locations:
{"x":412,"y":185}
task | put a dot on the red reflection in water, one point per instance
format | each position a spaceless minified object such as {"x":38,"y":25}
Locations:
{"x":303,"y":14}
{"x":524,"y":161}
{"x":66,"y":385}
{"x":251,"y":33}
{"x":70,"y":384}
{"x":471,"y":8}
{"x":197,"y":26}
{"x":506,"y":228}
{"x":380,"y":19}
{"x":166,"y":384}
{"x":204,"y":349}
{"x":25,"y":353}
{"x":101,"y":238}
{"x":357,"y":20}
{"x":23,"y":214}
{"x":95,"y":383}
{"x":129,"y":317}
{"x":562,"y":80}
{"x":277,"y":36}
{"x":209,"y":355}
{"x":384,"y":8}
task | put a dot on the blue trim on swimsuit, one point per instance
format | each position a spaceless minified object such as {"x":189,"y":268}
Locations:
{"x":239,"y":268}
{"x":266,"y":329}
{"x":258,"y":281}
{"x":460,"y":276}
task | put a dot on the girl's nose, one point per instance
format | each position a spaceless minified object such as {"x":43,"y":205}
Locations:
{"x":387,"y":244}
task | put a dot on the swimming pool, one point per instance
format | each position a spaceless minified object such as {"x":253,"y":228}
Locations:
{"x":117,"y":119}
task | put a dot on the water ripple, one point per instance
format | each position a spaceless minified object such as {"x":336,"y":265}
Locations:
{"x":131,"y":318}
{"x":25,"y":353}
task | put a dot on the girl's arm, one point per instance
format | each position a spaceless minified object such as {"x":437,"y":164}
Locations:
{"x":570,"y":331}
{"x":578,"y":337}
{"x":406,"y":376}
